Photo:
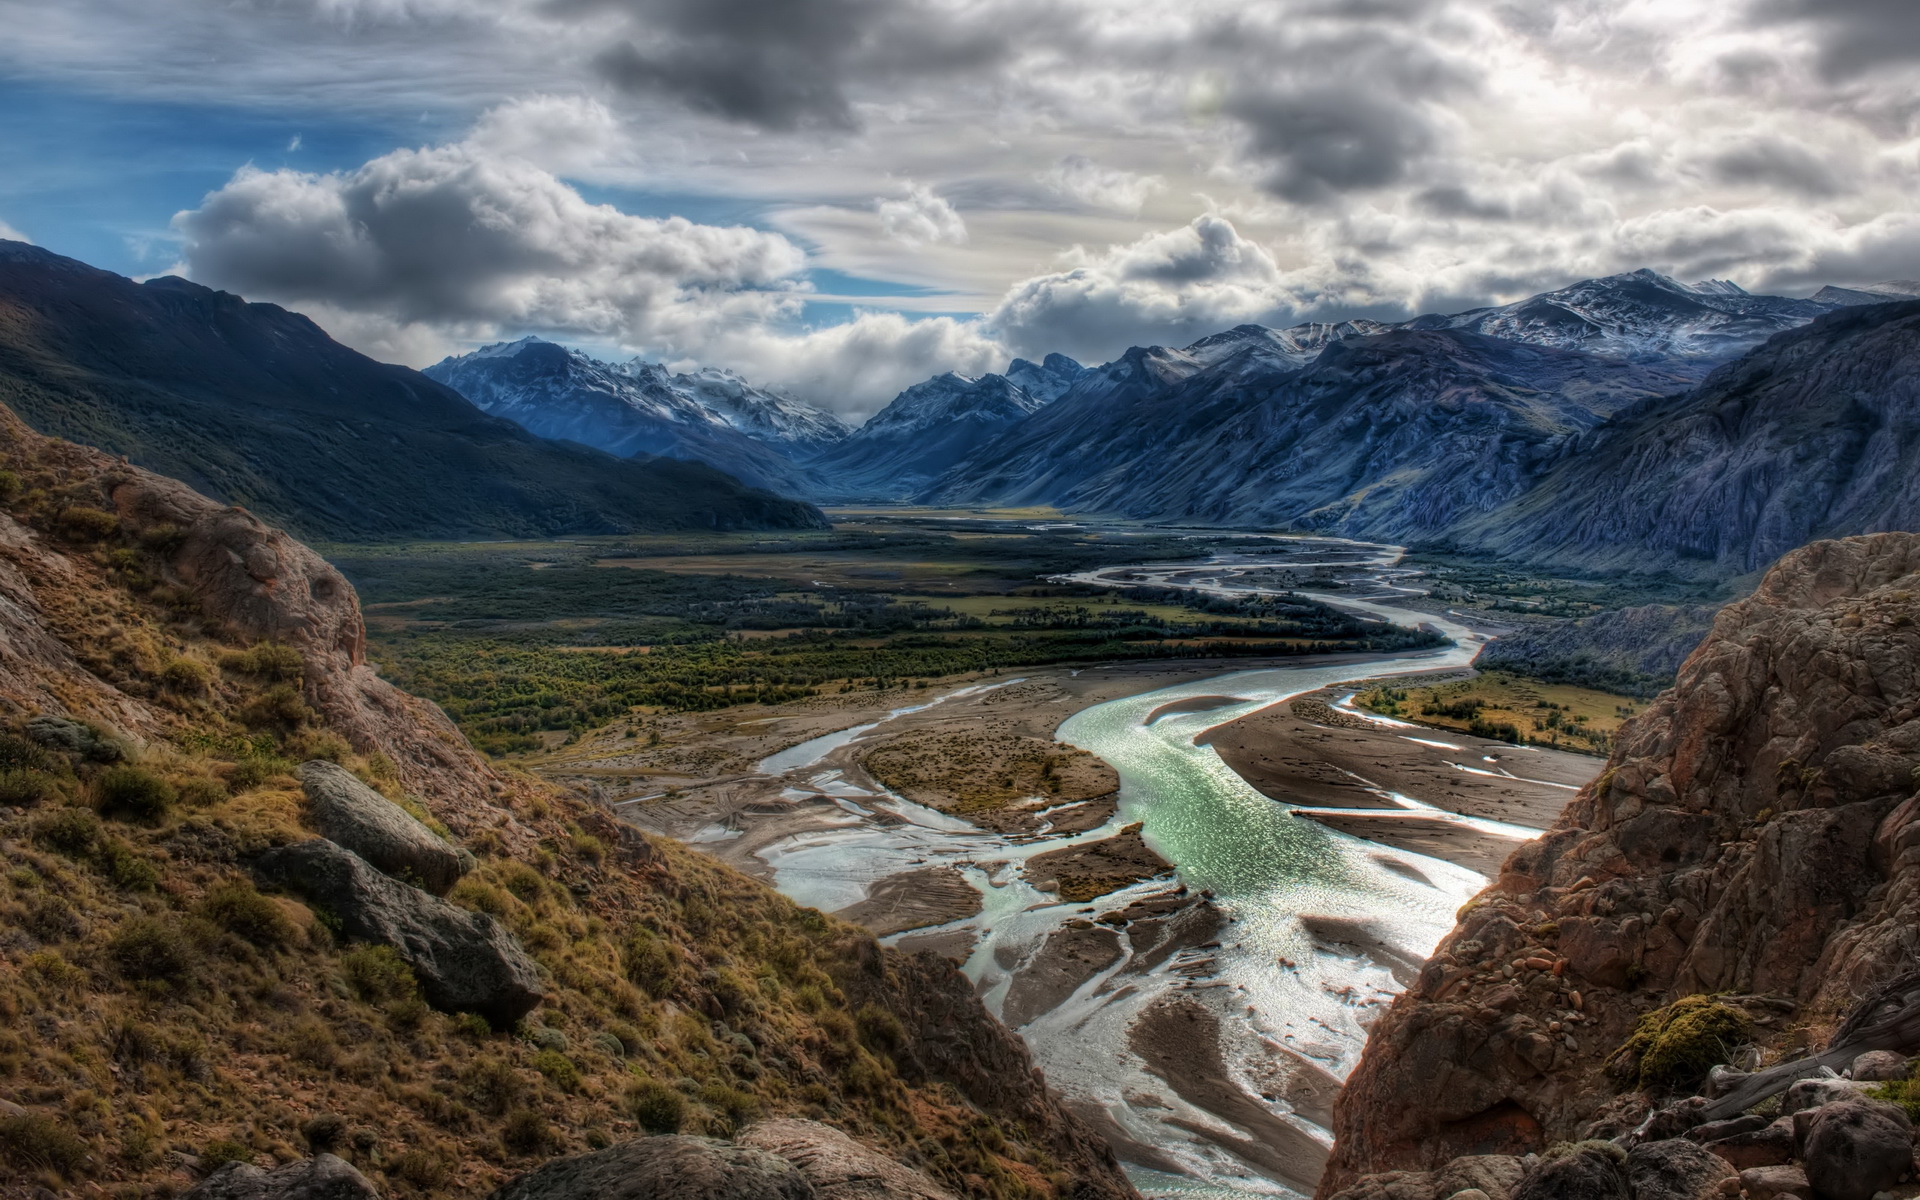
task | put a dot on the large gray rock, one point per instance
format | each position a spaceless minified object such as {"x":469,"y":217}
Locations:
{"x":322,"y":1177}
{"x":351,"y":814}
{"x":1676,"y":1169}
{"x":1813,"y":1093}
{"x":1585,"y":1171}
{"x":670,"y":1167}
{"x":465,"y":961}
{"x":1854,"y":1150}
{"x":838,"y":1167}
{"x":1496,"y":1175}
{"x":1880,"y":1066}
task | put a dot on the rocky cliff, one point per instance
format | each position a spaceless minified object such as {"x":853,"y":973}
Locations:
{"x":441,"y":973}
{"x":1751,"y":837}
{"x":1633,"y":651}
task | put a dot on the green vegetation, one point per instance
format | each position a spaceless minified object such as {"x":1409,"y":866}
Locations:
{"x":1463,"y":579}
{"x":1510,"y":708}
{"x":1673,"y":1048}
{"x":516,"y":640}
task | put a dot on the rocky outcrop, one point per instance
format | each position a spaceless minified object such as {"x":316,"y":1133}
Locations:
{"x":1756,"y":833}
{"x":838,"y":1167}
{"x":322,"y":1177}
{"x":465,"y":961}
{"x":656,"y":1168}
{"x":350,"y":814}
{"x":1632,"y":651}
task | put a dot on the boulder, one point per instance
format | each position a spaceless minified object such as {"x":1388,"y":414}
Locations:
{"x":1673,"y":1121}
{"x":1675,"y":1169}
{"x":1498,"y":1176}
{"x":75,"y":737}
{"x":322,"y":1177}
{"x":465,"y":961}
{"x":838,"y":1167}
{"x":670,"y":1167}
{"x":1713,"y":1131}
{"x":1776,"y":1183}
{"x":349,"y":813}
{"x":1812,"y":1093}
{"x":1390,"y":1185}
{"x":1769,"y":1146}
{"x":1581,"y":1171}
{"x":1880,"y":1066}
{"x":1854,"y":1150}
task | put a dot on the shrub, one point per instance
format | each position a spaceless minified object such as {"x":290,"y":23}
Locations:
{"x":186,"y":676}
{"x":83,"y":523}
{"x":268,"y":660}
{"x":378,"y":974}
{"x":68,"y":831}
{"x":279,"y":706}
{"x":152,"y":950}
{"x":558,"y":1068}
{"x":1674,"y":1047}
{"x":324,"y":1132}
{"x":255,"y":770}
{"x":221,"y":1151}
{"x":134,"y":792}
{"x":657,"y":1107}
{"x":240,"y":910}
{"x":201,"y":792}
{"x":50,"y":919}
{"x":492,"y":1085}
{"x":37,"y":1142}
{"x":526,"y":1132}
{"x":24,"y":787}
{"x":879,"y":1029}
{"x":19,"y":754}
{"x":125,"y":868}
{"x":650,"y":962}
{"x":736,"y":1106}
{"x":421,"y":1168}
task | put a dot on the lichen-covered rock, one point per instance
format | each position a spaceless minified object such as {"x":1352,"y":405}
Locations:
{"x":1804,"y":1094}
{"x":1582,"y":1171}
{"x":1496,"y":1175}
{"x":670,"y":1167}
{"x":1853,"y":1150}
{"x":838,"y":1167}
{"x":1879,"y":1066}
{"x":465,"y":961}
{"x":322,"y":1177}
{"x":1776,"y":1183}
{"x":349,"y":813}
{"x":1675,"y":1169}
{"x":1755,"y":836}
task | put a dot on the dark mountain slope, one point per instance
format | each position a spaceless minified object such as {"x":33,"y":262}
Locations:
{"x":258,"y":406}
{"x":1397,"y":434}
{"x":1814,"y":434}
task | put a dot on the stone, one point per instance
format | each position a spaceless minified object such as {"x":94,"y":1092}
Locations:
{"x":838,"y":1167}
{"x":1880,"y":1066}
{"x":1390,"y":1185}
{"x":1769,"y":1146}
{"x":1812,"y":1093}
{"x":1673,"y":1121}
{"x":1676,"y":1169}
{"x":349,"y":813}
{"x":1854,"y":1150}
{"x":322,"y":1177}
{"x":1495,"y":1175}
{"x":1470,"y":1194}
{"x":670,"y":1167}
{"x":75,"y":737}
{"x":1776,"y":1183}
{"x":1583,"y":1171}
{"x":465,"y":961}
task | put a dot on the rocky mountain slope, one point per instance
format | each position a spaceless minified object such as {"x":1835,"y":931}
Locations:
{"x":640,"y":408}
{"x":931,"y":426}
{"x":1741,"y":874}
{"x":261,"y":905}
{"x":256,"y":405}
{"x":1630,"y":651}
{"x":1387,"y":435}
{"x":1815,"y":434}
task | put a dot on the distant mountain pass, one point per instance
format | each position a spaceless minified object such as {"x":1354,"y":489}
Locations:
{"x":259,"y":407}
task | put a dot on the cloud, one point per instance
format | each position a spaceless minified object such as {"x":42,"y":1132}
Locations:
{"x":1854,"y":36}
{"x":1078,"y":177}
{"x":453,"y":234}
{"x":9,"y":234}
{"x":921,"y":217}
{"x":1775,"y":162}
{"x":562,"y":134}
{"x":785,"y":64}
{"x":1178,"y":285}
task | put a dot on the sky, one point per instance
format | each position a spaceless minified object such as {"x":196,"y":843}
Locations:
{"x":840,"y":198}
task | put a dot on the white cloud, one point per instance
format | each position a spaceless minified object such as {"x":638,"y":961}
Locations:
{"x":1078,"y":177}
{"x":921,"y":217}
{"x":9,"y":234}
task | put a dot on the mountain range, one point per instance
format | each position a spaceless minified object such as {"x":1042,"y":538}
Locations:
{"x":257,"y":406}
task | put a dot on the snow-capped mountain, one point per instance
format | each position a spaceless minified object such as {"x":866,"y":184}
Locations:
{"x":1639,"y":315}
{"x":639,"y":407}
{"x":1869,"y":293}
{"x":932,"y":425}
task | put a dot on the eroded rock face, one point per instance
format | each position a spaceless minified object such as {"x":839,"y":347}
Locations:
{"x":1756,"y":831}
{"x":322,"y":1177}
{"x":670,"y":1167}
{"x":465,"y":961}
{"x":351,"y":814}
